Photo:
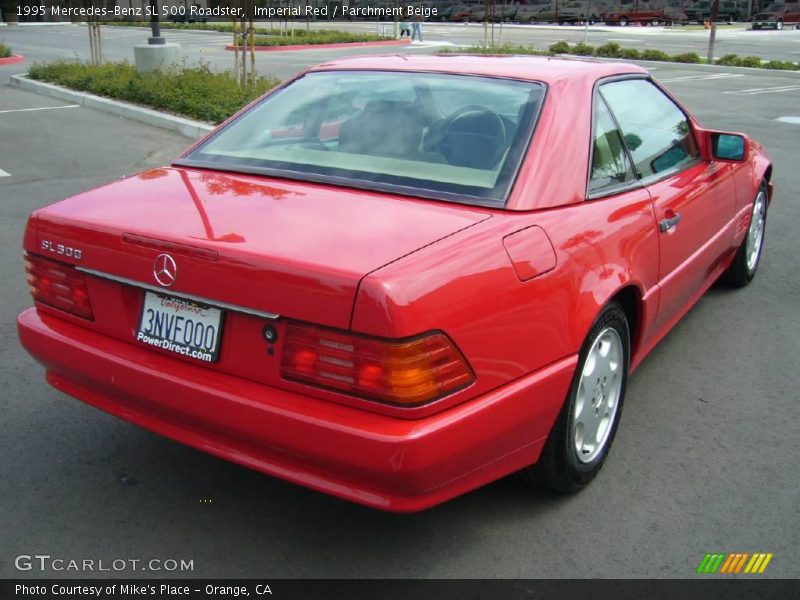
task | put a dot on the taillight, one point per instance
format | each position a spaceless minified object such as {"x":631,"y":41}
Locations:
{"x":58,"y":285}
{"x":406,"y":372}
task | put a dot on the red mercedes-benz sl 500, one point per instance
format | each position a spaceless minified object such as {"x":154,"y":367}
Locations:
{"x":395,"y":279}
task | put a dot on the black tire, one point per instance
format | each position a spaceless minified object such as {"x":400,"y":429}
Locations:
{"x":623,"y":21}
{"x":741,"y":271}
{"x":559,"y":469}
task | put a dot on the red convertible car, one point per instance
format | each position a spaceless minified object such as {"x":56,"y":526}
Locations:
{"x":395,"y":279}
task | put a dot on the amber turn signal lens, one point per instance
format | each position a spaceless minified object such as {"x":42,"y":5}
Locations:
{"x":58,"y":285}
{"x":406,"y":372}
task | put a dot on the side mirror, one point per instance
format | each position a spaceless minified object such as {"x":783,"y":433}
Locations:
{"x":727,"y":146}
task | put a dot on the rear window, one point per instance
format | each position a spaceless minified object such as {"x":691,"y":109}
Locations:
{"x":451,"y":137}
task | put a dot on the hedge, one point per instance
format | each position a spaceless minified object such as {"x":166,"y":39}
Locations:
{"x":613,"y":50}
{"x":322,"y":36}
{"x":277,"y":37}
{"x":501,"y":49}
{"x":195,"y":92}
{"x":5,"y":51}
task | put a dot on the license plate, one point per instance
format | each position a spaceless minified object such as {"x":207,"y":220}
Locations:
{"x":181,"y":326}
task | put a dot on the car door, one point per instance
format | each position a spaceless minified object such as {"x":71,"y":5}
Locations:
{"x":694,"y":200}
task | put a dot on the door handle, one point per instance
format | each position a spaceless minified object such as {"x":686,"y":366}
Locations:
{"x":665,"y":225}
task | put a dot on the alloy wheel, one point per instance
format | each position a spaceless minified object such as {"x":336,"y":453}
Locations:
{"x":597,"y":400}
{"x":755,"y":233}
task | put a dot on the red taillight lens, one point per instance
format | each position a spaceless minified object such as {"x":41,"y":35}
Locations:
{"x":58,"y":285}
{"x":406,"y":373}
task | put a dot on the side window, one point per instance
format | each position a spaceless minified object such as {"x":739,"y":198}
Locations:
{"x":610,"y":163}
{"x":656,"y":131}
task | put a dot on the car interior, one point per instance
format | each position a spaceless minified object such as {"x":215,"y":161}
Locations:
{"x":475,"y":135}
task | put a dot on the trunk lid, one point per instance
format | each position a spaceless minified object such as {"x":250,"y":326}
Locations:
{"x":294,"y":249}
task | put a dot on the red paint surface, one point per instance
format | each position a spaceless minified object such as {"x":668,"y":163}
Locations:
{"x":515,"y":289}
{"x":12,"y":60}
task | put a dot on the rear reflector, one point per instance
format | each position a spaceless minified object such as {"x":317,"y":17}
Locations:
{"x":406,"y":373}
{"x":58,"y":285}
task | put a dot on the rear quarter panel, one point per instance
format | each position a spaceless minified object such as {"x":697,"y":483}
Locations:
{"x":466,"y":286}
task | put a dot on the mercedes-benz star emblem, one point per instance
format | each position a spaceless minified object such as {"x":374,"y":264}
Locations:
{"x":165,"y":270}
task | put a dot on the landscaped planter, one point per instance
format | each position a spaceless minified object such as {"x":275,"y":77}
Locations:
{"x":322,"y":46}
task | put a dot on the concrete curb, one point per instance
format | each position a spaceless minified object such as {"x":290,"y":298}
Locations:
{"x":12,"y":60}
{"x":186,"y":127}
{"x":322,"y":46}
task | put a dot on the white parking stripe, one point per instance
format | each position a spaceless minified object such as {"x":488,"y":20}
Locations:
{"x":701,"y":77}
{"x":770,"y":90}
{"x":40,"y":108}
{"x":792,"y":120}
{"x":4,"y":173}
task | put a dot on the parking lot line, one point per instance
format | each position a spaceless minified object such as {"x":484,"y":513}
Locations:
{"x":13,"y":110}
{"x":701,"y":77}
{"x":4,"y":173}
{"x":769,"y":90}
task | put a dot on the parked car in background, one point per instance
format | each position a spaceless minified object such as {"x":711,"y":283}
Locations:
{"x":643,"y":12}
{"x":675,"y":12}
{"x":729,"y":10}
{"x":777,"y":16}
{"x":504,"y":13}
{"x":477,"y":14}
{"x":463,"y":13}
{"x":395,"y":279}
{"x":561,"y":12}
{"x":447,"y":13}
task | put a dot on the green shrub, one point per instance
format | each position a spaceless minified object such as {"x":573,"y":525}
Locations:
{"x":501,"y":49}
{"x":582,"y":49}
{"x":316,"y":37}
{"x":278,"y":37}
{"x":609,"y":50}
{"x":751,"y":61}
{"x":729,"y":60}
{"x":195,"y":92}
{"x":613,"y":50}
{"x":782,"y":65}
{"x":687,"y":57}
{"x":630,"y":54}
{"x":5,"y":51}
{"x":559,"y":48}
{"x":651,"y":54}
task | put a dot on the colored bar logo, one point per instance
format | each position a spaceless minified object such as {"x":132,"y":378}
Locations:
{"x":734,"y":563}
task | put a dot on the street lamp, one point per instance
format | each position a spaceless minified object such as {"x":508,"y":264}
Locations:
{"x":156,"y":40}
{"x":156,"y":54}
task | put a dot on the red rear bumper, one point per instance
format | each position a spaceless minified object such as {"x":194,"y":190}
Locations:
{"x":382,"y":462}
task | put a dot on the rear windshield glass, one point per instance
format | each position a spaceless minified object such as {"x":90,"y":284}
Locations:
{"x":451,"y":137}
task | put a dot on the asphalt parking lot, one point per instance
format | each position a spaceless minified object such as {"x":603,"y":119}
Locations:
{"x":49,"y":42}
{"x":705,"y":458}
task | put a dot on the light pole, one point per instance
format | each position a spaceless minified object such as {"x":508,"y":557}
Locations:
{"x":156,"y":39}
{"x":712,"y":37}
{"x":156,"y":54}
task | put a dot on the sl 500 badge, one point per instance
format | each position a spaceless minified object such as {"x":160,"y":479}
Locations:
{"x":62,"y":250}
